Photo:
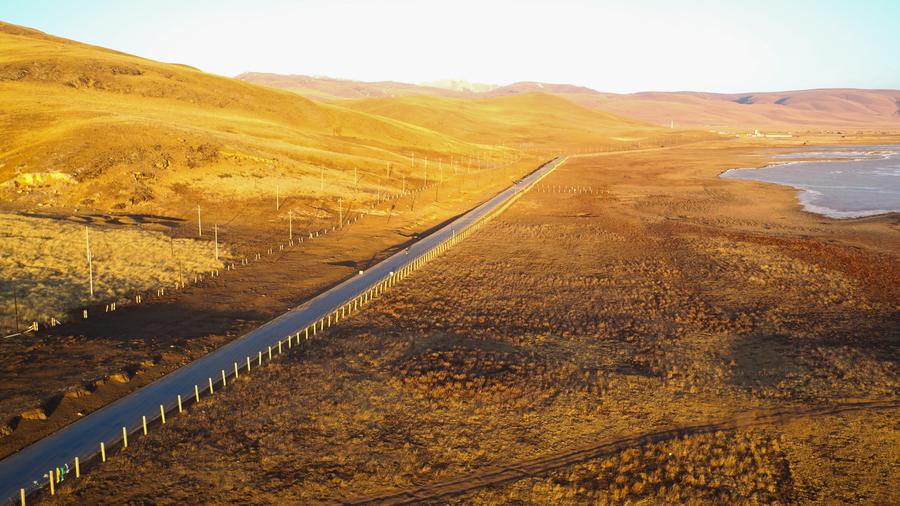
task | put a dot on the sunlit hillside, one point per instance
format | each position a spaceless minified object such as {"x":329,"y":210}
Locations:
{"x":118,"y":142}
{"x":329,"y":89}
{"x":803,"y":109}
{"x":539,"y":118}
{"x":113,"y":131}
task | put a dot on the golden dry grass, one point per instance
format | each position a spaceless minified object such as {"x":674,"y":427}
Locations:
{"x":46,"y":262}
{"x":122,"y":126}
{"x":88,"y":130}
{"x":546,"y":120}
{"x":719,"y":468}
{"x":571,"y":318}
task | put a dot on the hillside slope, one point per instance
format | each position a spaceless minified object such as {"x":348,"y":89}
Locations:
{"x":533,"y":118}
{"x":130,"y":130}
{"x":830,"y":108}
{"x":326,"y":88}
{"x":816,"y":109}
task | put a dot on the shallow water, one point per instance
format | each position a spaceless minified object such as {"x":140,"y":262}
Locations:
{"x":837,"y":181}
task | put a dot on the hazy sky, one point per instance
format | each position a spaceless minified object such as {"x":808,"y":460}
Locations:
{"x":731,"y":46}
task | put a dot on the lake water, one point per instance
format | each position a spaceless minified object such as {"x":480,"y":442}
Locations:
{"x":837,"y":181}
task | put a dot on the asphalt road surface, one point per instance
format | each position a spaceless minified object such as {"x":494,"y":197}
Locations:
{"x":28,"y":468}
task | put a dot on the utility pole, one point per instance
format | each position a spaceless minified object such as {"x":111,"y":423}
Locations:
{"x":199,"y":223}
{"x":90,"y":260}
{"x":180,"y":263}
{"x":16,"y":304}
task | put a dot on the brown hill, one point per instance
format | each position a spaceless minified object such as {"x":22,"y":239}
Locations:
{"x":326,"y":88}
{"x":816,"y":109}
{"x":528,"y":118}
{"x":135,"y":132}
{"x":826,"y":108}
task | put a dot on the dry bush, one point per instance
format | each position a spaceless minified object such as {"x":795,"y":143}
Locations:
{"x":468,"y":371}
{"x":720,"y":468}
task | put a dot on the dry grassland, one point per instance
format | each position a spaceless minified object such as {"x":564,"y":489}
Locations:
{"x":841,"y":459}
{"x":667,"y":297}
{"x":95,"y":135}
{"x":48,"y":267}
{"x":52,"y":377}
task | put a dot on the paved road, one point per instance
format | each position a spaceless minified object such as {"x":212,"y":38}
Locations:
{"x":26,"y":468}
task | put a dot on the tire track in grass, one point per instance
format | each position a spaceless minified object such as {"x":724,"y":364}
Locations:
{"x":505,"y":473}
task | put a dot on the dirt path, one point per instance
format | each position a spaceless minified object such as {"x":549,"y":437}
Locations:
{"x":499,"y":474}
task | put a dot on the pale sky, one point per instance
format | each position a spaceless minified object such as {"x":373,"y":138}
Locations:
{"x":620,"y":46}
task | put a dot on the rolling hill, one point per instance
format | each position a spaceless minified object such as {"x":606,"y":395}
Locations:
{"x":129,"y":131}
{"x":326,"y":88}
{"x":90,"y":127}
{"x":814,"y":109}
{"x":534,"y":118}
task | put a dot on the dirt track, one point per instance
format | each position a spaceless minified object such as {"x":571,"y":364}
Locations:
{"x":499,"y":474}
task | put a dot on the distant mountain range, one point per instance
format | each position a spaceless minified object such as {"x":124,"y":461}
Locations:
{"x":815,"y":109}
{"x":460,"y":85}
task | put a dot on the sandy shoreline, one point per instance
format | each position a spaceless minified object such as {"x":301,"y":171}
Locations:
{"x":807,"y":194}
